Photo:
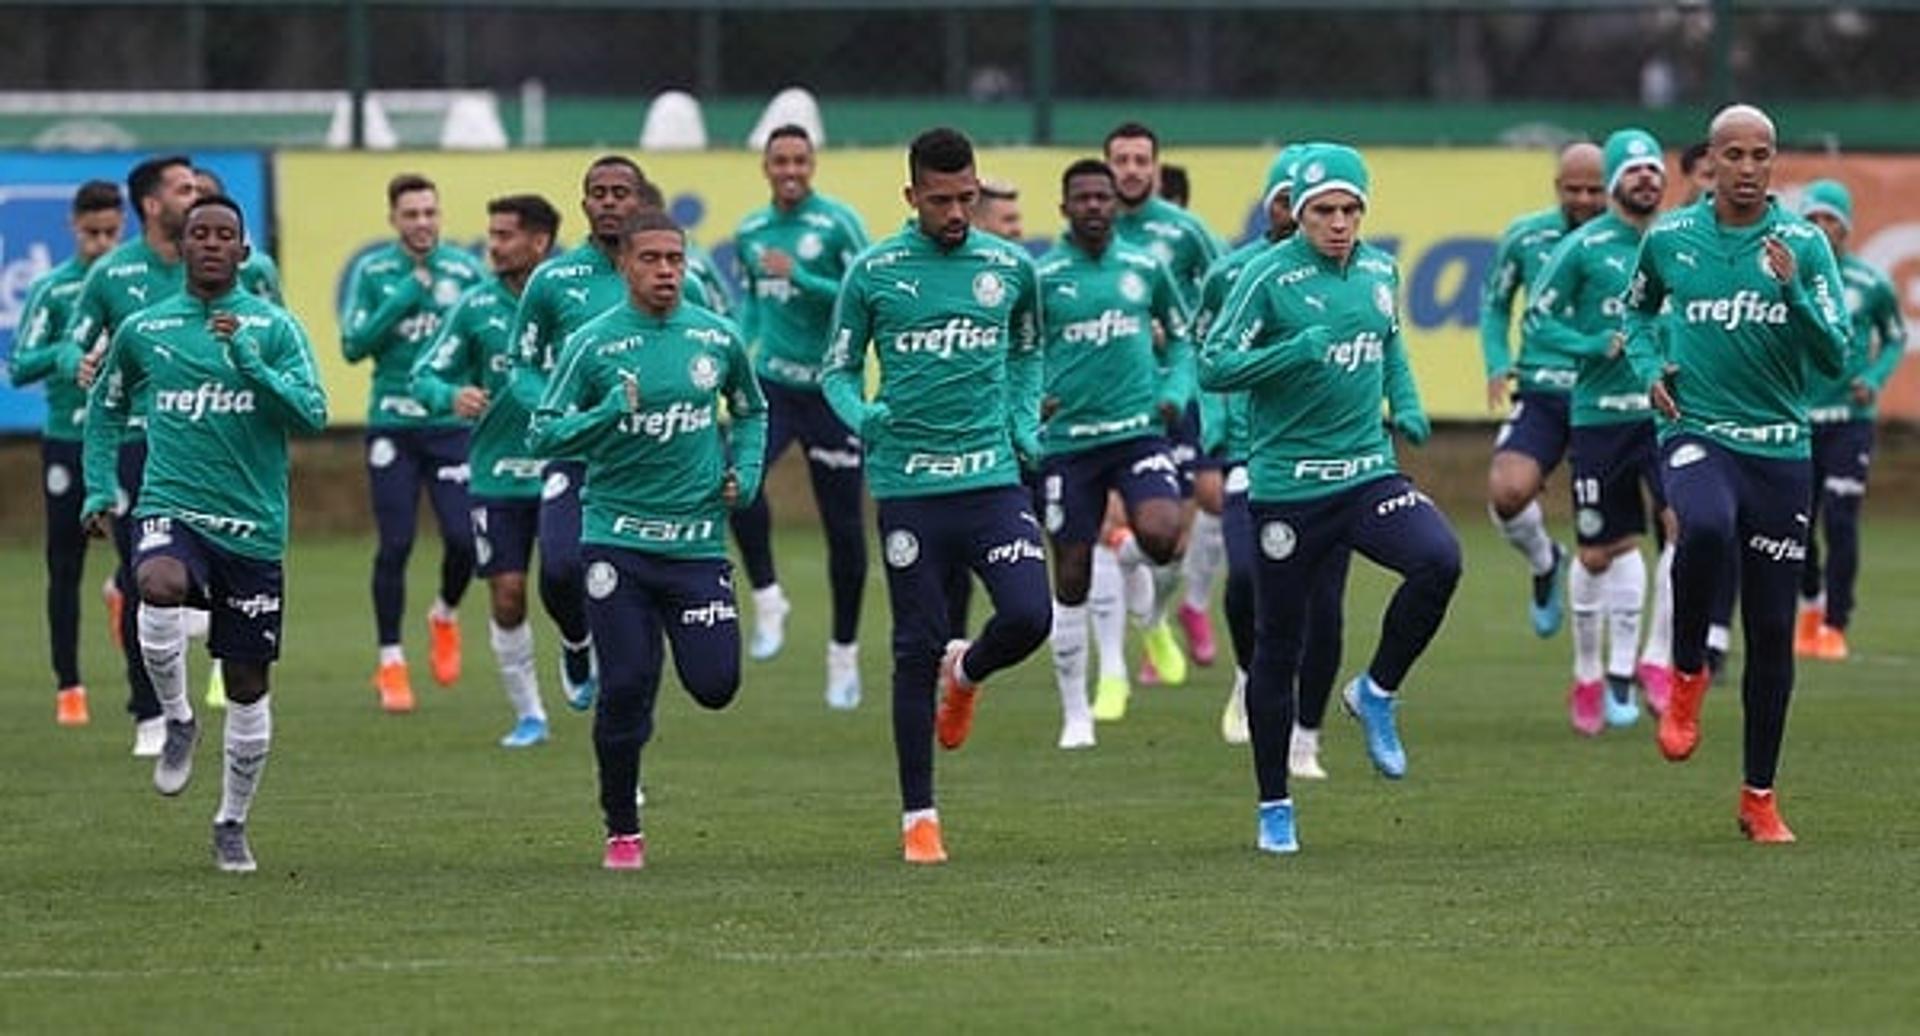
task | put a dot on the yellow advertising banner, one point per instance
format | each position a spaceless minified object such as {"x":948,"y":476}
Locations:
{"x":1440,"y":211}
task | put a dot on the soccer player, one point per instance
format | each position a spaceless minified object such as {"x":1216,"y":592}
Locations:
{"x":228,"y":376}
{"x":464,"y":372}
{"x":793,"y":252}
{"x":636,"y":395}
{"x":1842,"y":412}
{"x":1534,"y":437}
{"x":1756,"y":299}
{"x":1109,"y":395}
{"x":258,"y":274}
{"x":1178,"y":239}
{"x":1227,"y":433}
{"x":140,"y":273}
{"x":41,"y":352}
{"x":1312,"y":333}
{"x":1174,"y":185}
{"x":396,"y":297}
{"x":563,"y":294}
{"x":1574,"y":311}
{"x":953,"y":317}
{"x":997,"y":210}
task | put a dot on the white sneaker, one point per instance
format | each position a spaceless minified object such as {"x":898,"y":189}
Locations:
{"x":1077,"y":733}
{"x":1233,"y":718}
{"x":843,"y":676}
{"x":770,"y":610}
{"x":1303,"y":756}
{"x":149,"y":735}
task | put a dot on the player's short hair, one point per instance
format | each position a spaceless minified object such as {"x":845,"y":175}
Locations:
{"x":407,"y":183}
{"x":143,"y":180}
{"x":535,"y":213}
{"x":651,"y":197}
{"x":791,"y":129}
{"x":1174,"y":185}
{"x":619,"y":161}
{"x":219,"y":185}
{"x":1691,"y":158}
{"x":940,"y":150}
{"x":998,"y":190}
{"x":1129,"y":131}
{"x":96,"y":196}
{"x":218,"y":201}
{"x":1085,"y":167}
{"x":647,"y":221}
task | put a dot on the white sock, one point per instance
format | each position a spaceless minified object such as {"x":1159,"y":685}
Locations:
{"x":513,"y":651}
{"x":1626,"y":589}
{"x":1139,"y":592}
{"x":163,"y":649}
{"x":1818,"y":601}
{"x":391,"y":654}
{"x":769,"y":598}
{"x":843,"y":655}
{"x":1659,"y":649}
{"x":199,"y":623}
{"x":908,"y":818}
{"x":1588,"y":595}
{"x":249,"y":734}
{"x":1305,"y":740}
{"x":1206,"y":556}
{"x":1166,"y":586}
{"x":1109,"y":615}
{"x":1070,"y":660}
{"x":1719,"y":637}
{"x":442,"y":611}
{"x":1527,"y":531}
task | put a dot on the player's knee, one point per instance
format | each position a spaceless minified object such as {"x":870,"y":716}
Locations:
{"x":162,"y":583}
{"x":1209,"y":491}
{"x":713,"y":682}
{"x":1597,"y":559}
{"x":246,"y":681}
{"x":1071,"y":587}
{"x":507,"y":599}
{"x":1440,"y":568}
{"x":1703,"y":533}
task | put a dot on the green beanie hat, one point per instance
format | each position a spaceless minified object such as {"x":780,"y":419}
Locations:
{"x":1830,"y":197}
{"x":1328,"y":167}
{"x":1280,"y":173}
{"x":1629,"y":148}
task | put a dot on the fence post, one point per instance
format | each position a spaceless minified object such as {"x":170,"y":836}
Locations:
{"x":1040,"y":63}
{"x":359,"y":69}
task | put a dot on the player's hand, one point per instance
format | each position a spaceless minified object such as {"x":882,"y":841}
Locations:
{"x":1779,"y":260}
{"x":1497,"y":393}
{"x":730,"y":489}
{"x":1616,"y":345}
{"x":775,"y":263}
{"x":1049,"y":407}
{"x":1414,"y":427}
{"x":1862,"y":392}
{"x":423,"y":275}
{"x":1663,"y":401}
{"x":630,"y":389}
{"x":223,"y":325}
{"x":470,"y":402}
{"x":89,"y":367}
{"x":1170,"y":412}
{"x":99,"y":524}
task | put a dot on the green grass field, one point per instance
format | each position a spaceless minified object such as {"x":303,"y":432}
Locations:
{"x":416,"y":878}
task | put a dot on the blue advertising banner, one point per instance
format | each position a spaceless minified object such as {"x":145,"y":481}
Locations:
{"x":36,"y":192}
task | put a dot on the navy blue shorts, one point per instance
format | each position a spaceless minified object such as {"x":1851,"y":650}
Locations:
{"x":1610,"y":463}
{"x":1760,"y":504}
{"x":1185,"y":445}
{"x":504,"y":531}
{"x":928,"y":541}
{"x":243,"y":593}
{"x":560,"y":518}
{"x":633,"y":598}
{"x":1538,"y":427}
{"x":1076,"y":485}
{"x":804,"y":415}
{"x":1842,"y":452}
